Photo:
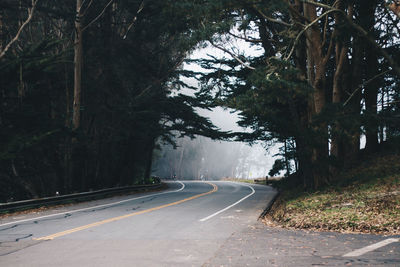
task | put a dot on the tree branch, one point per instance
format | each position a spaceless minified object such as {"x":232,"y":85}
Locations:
{"x":355,"y":26}
{"x":87,"y":8}
{"x":305,"y":29}
{"x":246,"y":65}
{"x":364,"y":84}
{"x":96,"y":18}
{"x":256,"y":41}
{"x":30,"y":16}
{"x":271,"y":19}
{"x":382,"y":51}
{"x":134,"y":19}
{"x":317,"y":4}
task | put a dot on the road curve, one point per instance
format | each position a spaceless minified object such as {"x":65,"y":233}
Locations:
{"x":183,"y":226}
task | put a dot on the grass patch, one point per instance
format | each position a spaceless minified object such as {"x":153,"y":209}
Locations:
{"x":366,"y":200}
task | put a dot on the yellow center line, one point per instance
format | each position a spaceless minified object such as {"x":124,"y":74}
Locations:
{"x":80,"y":228}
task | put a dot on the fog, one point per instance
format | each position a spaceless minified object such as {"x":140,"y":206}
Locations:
{"x":203,"y":158}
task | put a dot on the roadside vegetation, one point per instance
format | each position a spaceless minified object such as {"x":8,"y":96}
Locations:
{"x":365,"y":200}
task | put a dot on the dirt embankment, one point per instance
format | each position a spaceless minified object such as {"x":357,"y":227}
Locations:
{"x":368,"y":201}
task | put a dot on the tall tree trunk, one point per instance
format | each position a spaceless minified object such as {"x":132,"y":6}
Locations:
{"x":341,"y":61}
{"x":73,"y":154}
{"x":316,"y":67}
{"x":78,"y":58}
{"x":341,"y":57}
{"x":301,"y":121}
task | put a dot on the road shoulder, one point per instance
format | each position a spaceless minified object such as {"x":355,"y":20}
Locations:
{"x":260,"y":245}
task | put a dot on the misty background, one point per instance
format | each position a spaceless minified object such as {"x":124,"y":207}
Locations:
{"x":204,"y":158}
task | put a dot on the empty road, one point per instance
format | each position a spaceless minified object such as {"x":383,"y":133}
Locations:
{"x":183,"y":226}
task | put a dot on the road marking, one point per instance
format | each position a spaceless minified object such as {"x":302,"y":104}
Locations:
{"x":94,"y":207}
{"x":234,"y":204}
{"x":372,"y":247}
{"x":77,"y":229}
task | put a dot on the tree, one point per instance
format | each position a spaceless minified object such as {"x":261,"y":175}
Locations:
{"x":131,"y":64}
{"x":318,"y":81}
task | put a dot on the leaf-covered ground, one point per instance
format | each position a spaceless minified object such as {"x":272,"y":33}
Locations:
{"x":368,"y":201}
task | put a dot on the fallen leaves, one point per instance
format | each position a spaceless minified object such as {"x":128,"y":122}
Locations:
{"x":372,"y":207}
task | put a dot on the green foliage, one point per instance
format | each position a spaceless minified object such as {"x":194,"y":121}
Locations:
{"x":282,"y":95}
{"x":130,"y":77}
{"x":279,"y":165}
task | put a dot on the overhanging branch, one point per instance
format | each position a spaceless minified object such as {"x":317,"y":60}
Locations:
{"x":246,"y":65}
{"x":363,"y":85}
{"x":30,"y":16}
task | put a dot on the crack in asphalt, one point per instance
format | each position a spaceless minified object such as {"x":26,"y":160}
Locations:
{"x":14,"y":240}
{"x":8,"y":228}
{"x":24,"y":237}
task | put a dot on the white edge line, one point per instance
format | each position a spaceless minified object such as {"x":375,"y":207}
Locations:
{"x":372,"y":247}
{"x":94,"y":207}
{"x":234,"y":204}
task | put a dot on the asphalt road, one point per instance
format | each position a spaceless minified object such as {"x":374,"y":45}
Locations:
{"x":183,"y":226}
{"x":190,"y":224}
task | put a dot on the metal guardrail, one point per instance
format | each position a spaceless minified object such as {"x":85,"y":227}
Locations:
{"x":47,"y":201}
{"x":270,"y":204}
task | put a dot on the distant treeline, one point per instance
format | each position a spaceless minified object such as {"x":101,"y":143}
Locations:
{"x":205,"y":159}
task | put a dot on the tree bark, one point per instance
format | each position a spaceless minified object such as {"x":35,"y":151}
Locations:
{"x":78,"y":58}
{"x":316,"y":67}
{"x":341,"y":61}
{"x":341,"y":57}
